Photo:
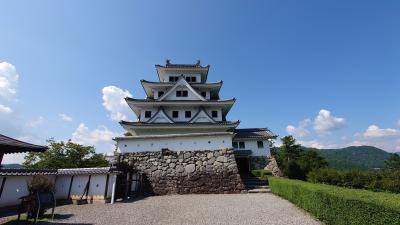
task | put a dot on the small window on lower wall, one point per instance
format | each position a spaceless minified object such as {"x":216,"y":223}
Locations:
{"x":188,"y":114}
{"x":147,"y":114}
{"x":175,"y":114}
{"x":260,"y":144}
{"x":241,"y":144}
{"x":214,"y":114}
{"x":234,"y":144}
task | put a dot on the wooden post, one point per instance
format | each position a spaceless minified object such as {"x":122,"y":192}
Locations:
{"x":113,"y":188}
{"x":3,"y":182}
{"x":70,"y":187}
{"x":106,"y":188}
{"x":1,"y":157}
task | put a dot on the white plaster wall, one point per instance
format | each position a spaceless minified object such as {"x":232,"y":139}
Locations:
{"x":176,"y":144}
{"x":209,"y":111}
{"x":62,"y":186}
{"x":142,"y":113}
{"x":17,"y":186}
{"x":252,"y":145}
{"x":14,"y":188}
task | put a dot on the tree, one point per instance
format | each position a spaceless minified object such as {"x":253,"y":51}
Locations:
{"x":393,"y":162}
{"x":65,"y":155}
{"x":289,"y":150}
{"x":311,"y":160}
{"x":294,"y":161}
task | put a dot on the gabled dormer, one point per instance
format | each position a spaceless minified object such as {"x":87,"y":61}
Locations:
{"x":182,"y":90}
{"x":202,"y":117}
{"x":160,"y":117}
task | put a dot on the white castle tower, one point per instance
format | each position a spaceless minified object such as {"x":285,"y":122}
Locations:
{"x":184,"y":112}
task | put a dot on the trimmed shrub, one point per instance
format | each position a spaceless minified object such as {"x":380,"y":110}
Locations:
{"x":337,"y":205}
{"x":381,"y":180}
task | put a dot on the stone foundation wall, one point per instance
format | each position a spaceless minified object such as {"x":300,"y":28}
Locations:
{"x":184,"y":172}
{"x":258,"y":162}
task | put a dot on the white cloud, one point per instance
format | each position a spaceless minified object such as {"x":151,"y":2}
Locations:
{"x":101,"y":138}
{"x":374,"y":131}
{"x":325,"y":122}
{"x":114,"y":102}
{"x":5,"y":109}
{"x":299,"y":131}
{"x":385,"y":138}
{"x":65,"y":117}
{"x":36,"y":122}
{"x":8,"y":80}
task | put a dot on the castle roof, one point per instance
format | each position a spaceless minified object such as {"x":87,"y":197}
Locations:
{"x":11,"y":145}
{"x":254,"y":133}
{"x":170,"y":68}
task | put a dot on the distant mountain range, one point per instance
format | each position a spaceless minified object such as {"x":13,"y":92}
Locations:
{"x":354,"y":157}
{"x":11,"y":166}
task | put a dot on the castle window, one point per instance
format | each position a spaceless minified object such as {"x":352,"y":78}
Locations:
{"x":175,"y":114}
{"x":204,"y":94}
{"x":214,"y":114}
{"x":241,"y":144}
{"x":188,"y":79}
{"x":147,"y":114}
{"x":188,"y":114}
{"x":160,"y":93}
{"x":260,"y":144}
{"x":181,"y":93}
{"x":193,"y":79}
{"x":173,"y":78}
{"x":234,"y":144}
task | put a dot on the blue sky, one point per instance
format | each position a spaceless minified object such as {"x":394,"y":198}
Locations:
{"x":327,"y":72}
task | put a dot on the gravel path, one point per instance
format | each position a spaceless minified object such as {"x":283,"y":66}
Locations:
{"x":229,"y":209}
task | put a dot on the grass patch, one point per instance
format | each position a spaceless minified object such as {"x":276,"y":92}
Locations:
{"x":337,"y":205}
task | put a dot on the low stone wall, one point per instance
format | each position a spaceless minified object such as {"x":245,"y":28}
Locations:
{"x":258,"y":162}
{"x":185,"y":172}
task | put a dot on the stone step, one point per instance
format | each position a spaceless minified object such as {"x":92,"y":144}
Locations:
{"x":255,"y":183}
{"x":256,"y":186}
{"x":253,"y":180}
{"x":260,"y":190}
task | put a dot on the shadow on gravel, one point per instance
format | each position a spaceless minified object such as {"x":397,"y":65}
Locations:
{"x":45,"y":220}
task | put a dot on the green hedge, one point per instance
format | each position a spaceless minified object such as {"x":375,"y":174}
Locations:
{"x":379,"y":180}
{"x":337,"y":205}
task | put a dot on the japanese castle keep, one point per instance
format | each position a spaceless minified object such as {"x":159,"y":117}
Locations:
{"x":183,"y":142}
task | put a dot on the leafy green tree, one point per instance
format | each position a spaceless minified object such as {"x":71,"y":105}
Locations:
{"x":294,"y":161}
{"x":393,"y":162}
{"x":289,"y":150}
{"x":311,"y":160}
{"x":65,"y":155}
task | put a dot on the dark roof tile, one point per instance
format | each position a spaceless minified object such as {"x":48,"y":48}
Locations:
{"x":254,"y":133}
{"x":10,"y":145}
